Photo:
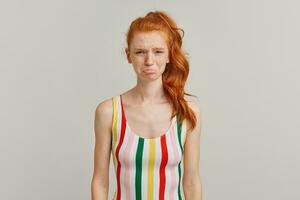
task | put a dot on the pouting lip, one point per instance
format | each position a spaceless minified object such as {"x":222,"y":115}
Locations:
{"x":149,"y":71}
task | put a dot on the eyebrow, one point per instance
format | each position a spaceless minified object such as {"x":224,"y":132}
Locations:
{"x":156,"y":48}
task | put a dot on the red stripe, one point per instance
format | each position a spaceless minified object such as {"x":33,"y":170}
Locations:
{"x":162,"y":175}
{"x":123,"y":127}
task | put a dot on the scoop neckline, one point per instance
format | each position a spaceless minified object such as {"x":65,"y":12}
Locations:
{"x":138,"y":136}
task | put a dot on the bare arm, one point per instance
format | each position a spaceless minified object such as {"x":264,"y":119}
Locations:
{"x":102,"y":128}
{"x":191,"y":180}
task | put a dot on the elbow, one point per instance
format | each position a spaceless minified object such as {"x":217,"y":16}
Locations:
{"x":193,"y":189}
{"x":194,"y":182}
{"x":99,"y":183}
{"x":99,"y":190}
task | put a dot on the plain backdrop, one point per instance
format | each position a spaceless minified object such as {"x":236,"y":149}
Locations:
{"x":59,"y":59}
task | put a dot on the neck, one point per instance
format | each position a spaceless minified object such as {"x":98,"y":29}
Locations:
{"x":149,"y":92}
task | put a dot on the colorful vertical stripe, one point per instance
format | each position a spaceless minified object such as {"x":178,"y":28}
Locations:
{"x":138,"y":169}
{"x":151,"y":162}
{"x":179,"y":165}
{"x":114,"y":128}
{"x":146,"y":168}
{"x":162,"y":175}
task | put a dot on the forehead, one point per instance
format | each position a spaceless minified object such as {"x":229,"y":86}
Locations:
{"x":153,"y":39}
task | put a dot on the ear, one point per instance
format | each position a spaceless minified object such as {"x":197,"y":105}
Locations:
{"x":128,"y":55}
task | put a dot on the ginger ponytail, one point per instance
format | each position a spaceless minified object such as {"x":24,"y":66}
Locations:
{"x":177,"y":70}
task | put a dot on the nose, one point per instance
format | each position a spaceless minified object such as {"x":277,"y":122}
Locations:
{"x":149,"y":59}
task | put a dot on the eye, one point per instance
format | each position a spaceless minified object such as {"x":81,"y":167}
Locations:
{"x":159,"y":52}
{"x":139,"y":52}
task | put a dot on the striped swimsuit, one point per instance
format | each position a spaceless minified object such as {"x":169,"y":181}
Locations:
{"x":147,"y":168}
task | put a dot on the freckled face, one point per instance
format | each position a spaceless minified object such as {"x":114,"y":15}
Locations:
{"x":148,"y":54}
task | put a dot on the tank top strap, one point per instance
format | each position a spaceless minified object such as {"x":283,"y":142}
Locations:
{"x":116,"y":124}
{"x":117,"y":119}
{"x":181,"y":131}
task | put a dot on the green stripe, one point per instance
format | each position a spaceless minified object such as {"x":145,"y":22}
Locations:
{"x":138,"y":173}
{"x":179,"y":168}
{"x":179,"y":134}
{"x":179,"y":171}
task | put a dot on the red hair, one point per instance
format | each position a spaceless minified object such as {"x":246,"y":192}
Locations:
{"x":177,"y":70}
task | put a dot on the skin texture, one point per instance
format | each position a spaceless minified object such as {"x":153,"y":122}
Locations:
{"x":148,"y":114}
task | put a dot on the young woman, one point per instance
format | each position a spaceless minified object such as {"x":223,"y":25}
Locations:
{"x":152,"y":129}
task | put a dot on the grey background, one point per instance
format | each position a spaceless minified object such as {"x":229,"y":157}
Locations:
{"x":59,"y":59}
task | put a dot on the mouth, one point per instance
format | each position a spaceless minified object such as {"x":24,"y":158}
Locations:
{"x":149,"y":71}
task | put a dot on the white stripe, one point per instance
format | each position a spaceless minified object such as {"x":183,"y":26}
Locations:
{"x":132,"y":164}
{"x":145,"y":169}
{"x":156,"y":169}
{"x":123,"y":166}
{"x":177,"y":153}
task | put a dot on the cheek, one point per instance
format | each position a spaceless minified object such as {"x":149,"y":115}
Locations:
{"x":137,"y":66}
{"x":163,"y":60}
{"x":137,"y":60}
{"x":166,"y":58}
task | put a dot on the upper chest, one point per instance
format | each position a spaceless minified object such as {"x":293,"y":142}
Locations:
{"x":148,"y":121}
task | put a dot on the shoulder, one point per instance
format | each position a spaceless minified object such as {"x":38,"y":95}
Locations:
{"x":105,"y":107}
{"x":104,"y":112}
{"x":194,"y":104}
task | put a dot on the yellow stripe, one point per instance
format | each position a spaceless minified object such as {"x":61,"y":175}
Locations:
{"x":151,"y":169}
{"x":114,"y":127}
